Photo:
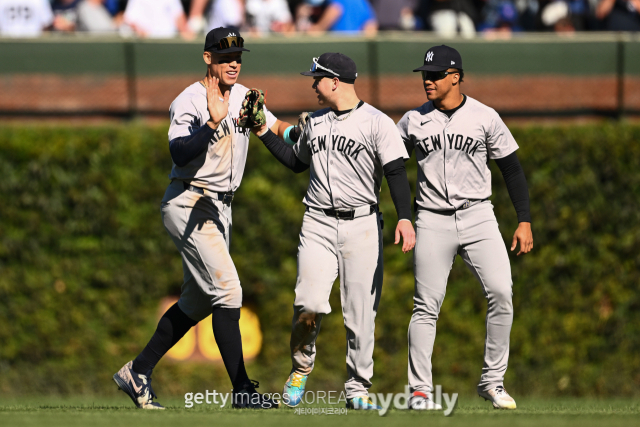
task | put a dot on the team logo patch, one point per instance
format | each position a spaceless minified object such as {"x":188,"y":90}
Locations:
{"x":429,"y":57}
{"x":232,"y":35}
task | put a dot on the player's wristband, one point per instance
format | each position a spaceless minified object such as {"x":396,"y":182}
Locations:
{"x":287,"y":138}
{"x":291,"y":135}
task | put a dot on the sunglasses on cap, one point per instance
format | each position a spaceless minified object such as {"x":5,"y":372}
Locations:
{"x":228,"y":42}
{"x":436,"y":75}
{"x":315,"y":66}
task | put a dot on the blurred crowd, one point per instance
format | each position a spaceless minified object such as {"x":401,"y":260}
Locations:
{"x":191,"y":18}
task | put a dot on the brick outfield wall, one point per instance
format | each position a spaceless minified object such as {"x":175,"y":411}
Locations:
{"x":291,"y":93}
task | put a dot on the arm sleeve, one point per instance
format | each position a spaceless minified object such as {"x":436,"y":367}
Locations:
{"x":516,"y":185}
{"x":186,"y":148}
{"x":396,"y":176}
{"x":283,"y":152}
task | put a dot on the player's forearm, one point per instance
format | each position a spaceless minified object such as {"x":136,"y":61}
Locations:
{"x":186,"y":148}
{"x":279,"y":128}
{"x":396,"y":175}
{"x":283,"y":152}
{"x":513,"y":175}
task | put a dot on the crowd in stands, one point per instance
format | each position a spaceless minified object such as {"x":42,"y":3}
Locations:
{"x":191,"y":18}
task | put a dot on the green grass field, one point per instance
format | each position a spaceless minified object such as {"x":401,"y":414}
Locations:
{"x":471,"y":411}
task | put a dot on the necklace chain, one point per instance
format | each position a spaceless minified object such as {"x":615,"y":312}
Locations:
{"x":340,"y":119}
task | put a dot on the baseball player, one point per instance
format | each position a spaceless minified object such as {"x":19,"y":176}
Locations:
{"x":349,"y":146}
{"x":454,"y":137}
{"x":209,"y":151}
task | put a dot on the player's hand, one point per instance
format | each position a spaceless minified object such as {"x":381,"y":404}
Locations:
{"x":218,"y":108}
{"x":524,"y":236}
{"x":260,"y":130}
{"x":405,"y":229}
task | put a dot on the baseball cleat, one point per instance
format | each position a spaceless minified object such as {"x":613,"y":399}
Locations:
{"x":246,"y":397}
{"x":420,"y":402}
{"x":363,"y":403}
{"x":499,"y":397}
{"x":137,"y":386}
{"x":293,"y":391}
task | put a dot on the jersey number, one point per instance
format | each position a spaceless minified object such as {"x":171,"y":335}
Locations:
{"x":18,"y":12}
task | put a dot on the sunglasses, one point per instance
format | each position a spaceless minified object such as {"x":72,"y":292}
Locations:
{"x":436,"y":75}
{"x":228,"y":42}
{"x":315,"y":66}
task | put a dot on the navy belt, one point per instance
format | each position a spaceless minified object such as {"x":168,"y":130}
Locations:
{"x":344,"y":214}
{"x":225,"y":198}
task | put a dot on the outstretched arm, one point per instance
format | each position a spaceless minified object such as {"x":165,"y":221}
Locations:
{"x":281,"y":150}
{"x":279,"y":127}
{"x":396,"y":175}
{"x":519,"y":193}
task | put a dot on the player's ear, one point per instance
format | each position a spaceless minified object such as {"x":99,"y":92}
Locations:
{"x":456,"y":78}
{"x":207,"y":57}
{"x":336,"y":83}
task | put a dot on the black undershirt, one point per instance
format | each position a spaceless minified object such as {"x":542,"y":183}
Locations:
{"x":186,"y":148}
{"x":341,"y":112}
{"x":449,"y":113}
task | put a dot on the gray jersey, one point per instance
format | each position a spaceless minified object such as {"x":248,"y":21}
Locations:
{"x":453,"y":153}
{"x":221,"y":167}
{"x":346,"y":156}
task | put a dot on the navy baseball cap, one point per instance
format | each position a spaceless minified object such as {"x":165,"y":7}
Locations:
{"x":440,"y":58}
{"x":224,"y":40}
{"x":333,"y":65}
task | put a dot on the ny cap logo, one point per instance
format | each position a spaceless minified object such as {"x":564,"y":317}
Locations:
{"x":232,"y":35}
{"x":453,"y":62}
{"x":429,"y":56}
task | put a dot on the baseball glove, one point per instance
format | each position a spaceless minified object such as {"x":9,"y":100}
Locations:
{"x":303,"y":118}
{"x":251,"y":112}
{"x":296,"y":131}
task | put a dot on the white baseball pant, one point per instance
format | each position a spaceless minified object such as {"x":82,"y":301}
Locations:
{"x":200,"y":227}
{"x":351,"y":249}
{"x":473,"y":234}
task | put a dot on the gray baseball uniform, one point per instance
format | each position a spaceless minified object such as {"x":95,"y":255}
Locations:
{"x":198,"y":222}
{"x":346,"y":155}
{"x":455,"y":217}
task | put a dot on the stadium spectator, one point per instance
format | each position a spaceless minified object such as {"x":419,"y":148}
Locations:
{"x":65,"y":15}
{"x":93,"y":17}
{"x":564,"y":16}
{"x":226,"y":13}
{"x":619,"y":15}
{"x":197,"y":23}
{"x":395,"y":14}
{"x":501,"y":18}
{"x":308,"y":13}
{"x":157,"y":18}
{"x":24,"y":18}
{"x":349,"y":16}
{"x":451,"y":17}
{"x":269,"y":16}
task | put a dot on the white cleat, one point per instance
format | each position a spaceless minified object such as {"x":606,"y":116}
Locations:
{"x":420,"y":402}
{"x":137,"y":386}
{"x":499,"y":397}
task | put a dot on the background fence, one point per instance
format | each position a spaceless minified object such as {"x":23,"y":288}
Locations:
{"x":533,"y":75}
